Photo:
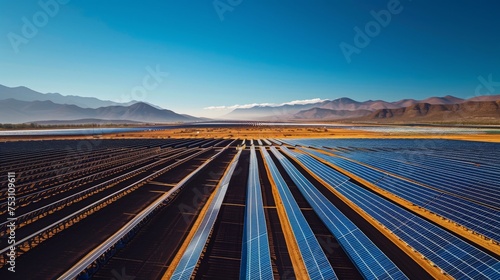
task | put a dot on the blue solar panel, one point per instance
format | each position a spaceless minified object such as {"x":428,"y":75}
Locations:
{"x":189,"y":259}
{"x":371,"y":262}
{"x":256,"y":257}
{"x":468,"y":169}
{"x":453,"y":255}
{"x":479,"y":218}
{"x":315,"y":261}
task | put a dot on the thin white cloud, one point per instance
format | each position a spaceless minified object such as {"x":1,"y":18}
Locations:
{"x":215,"y":108}
{"x":305,"y":101}
{"x":246,"y":106}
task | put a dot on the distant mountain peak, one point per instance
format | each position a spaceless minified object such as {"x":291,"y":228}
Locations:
{"x":13,"y":110}
{"x":485,"y":112}
{"x":23,"y":93}
{"x":339,"y":107}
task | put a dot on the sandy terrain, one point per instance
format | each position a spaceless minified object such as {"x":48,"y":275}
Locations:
{"x":293,"y":132}
{"x":274,"y":132}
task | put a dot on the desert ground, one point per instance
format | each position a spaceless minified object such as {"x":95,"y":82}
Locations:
{"x":276,"y":132}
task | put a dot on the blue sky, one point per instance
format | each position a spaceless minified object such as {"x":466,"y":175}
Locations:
{"x":219,"y":54}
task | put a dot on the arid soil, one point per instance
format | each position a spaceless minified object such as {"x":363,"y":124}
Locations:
{"x":274,"y":132}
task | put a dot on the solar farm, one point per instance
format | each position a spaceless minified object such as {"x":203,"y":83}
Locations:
{"x":211,"y":208}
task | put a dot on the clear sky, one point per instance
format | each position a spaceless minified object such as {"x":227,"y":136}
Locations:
{"x":219,"y":54}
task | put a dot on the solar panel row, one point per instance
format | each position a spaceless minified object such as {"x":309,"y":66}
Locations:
{"x":434,"y":161}
{"x":189,"y":259}
{"x":468,"y":160}
{"x":453,"y":255}
{"x":276,"y":142}
{"x":368,"y":258}
{"x":450,"y":253}
{"x":256,"y":257}
{"x":459,"y":180}
{"x":447,"y":152}
{"x":481,"y":219}
{"x":316,"y":263}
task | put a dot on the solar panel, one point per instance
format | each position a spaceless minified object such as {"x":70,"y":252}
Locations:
{"x":256,"y":257}
{"x":315,"y":260}
{"x":371,"y":262}
{"x":189,"y":259}
{"x":457,"y":161}
{"x":481,"y":219}
{"x":453,"y":255}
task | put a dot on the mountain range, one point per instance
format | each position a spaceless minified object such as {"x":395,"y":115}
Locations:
{"x":340,"y":104}
{"x":26,"y":94}
{"x":430,"y":110}
{"x":468,"y":112}
{"x":16,"y":111}
{"x":22,"y":105}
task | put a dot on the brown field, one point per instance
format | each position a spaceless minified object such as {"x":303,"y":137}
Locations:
{"x":273,"y":132}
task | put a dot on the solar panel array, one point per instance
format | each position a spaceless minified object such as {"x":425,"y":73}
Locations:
{"x":189,"y":259}
{"x":480,"y":218}
{"x":315,"y":260}
{"x":455,"y":184}
{"x":267,"y":142}
{"x":256,"y":257}
{"x":454,"y":256}
{"x":465,"y":181}
{"x":368,"y":258}
{"x":467,"y":169}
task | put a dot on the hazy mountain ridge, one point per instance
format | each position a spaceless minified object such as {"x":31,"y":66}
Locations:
{"x":267,"y":112}
{"x":26,"y":94}
{"x":85,"y":122}
{"x":346,"y":103}
{"x":16,"y":111}
{"x":329,"y":114}
{"x":31,"y":106}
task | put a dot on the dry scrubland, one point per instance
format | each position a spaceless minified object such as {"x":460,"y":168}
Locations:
{"x":274,"y":132}
{"x":294,"y":132}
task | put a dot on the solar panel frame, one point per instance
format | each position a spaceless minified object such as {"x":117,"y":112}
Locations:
{"x":314,"y":258}
{"x":460,"y":211}
{"x":256,"y":256}
{"x":189,"y":259}
{"x":460,"y":259}
{"x":371,"y":262}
